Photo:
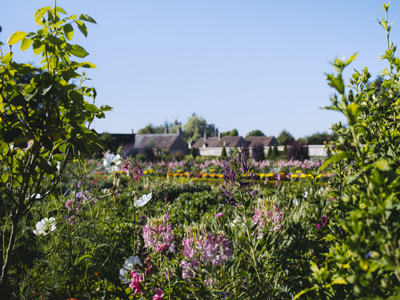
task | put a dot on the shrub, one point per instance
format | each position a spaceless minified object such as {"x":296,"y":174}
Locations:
{"x":258,"y":152}
{"x":275,"y":151}
{"x":269,"y":153}
{"x":193,"y":152}
{"x":297,"y":151}
{"x":140,"y":157}
{"x":223,"y":152}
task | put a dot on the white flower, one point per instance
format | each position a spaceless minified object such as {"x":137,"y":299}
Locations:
{"x":296,"y":202}
{"x":111,"y":162}
{"x":128,"y":267}
{"x":45,"y":226}
{"x":143,"y":200}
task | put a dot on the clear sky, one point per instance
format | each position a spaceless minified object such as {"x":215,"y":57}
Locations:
{"x":245,"y":64}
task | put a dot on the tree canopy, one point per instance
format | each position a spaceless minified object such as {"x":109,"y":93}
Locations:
{"x":285,"y":138}
{"x":233,"y":132}
{"x":255,"y":133}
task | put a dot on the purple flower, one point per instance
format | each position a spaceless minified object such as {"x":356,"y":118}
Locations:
{"x":319,"y":226}
{"x":253,"y":192}
{"x":331,"y":199}
{"x":79,"y":184}
{"x":142,"y":218}
{"x":157,"y":234}
{"x":219,"y":215}
{"x":266,"y":181}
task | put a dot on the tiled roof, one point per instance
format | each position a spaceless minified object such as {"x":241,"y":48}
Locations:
{"x":264,"y":140}
{"x":230,"y":141}
{"x":155,"y":140}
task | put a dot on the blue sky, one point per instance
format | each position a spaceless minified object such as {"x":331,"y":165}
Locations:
{"x":245,"y":64}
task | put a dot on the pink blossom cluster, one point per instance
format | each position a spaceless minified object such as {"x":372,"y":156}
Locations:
{"x":205,"y":250}
{"x":135,"y":282}
{"x":157,"y":235}
{"x":306,"y":164}
{"x":265,"y":218}
{"x":159,"y":293}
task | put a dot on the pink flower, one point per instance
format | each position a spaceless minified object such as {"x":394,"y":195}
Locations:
{"x":159,"y":293}
{"x":319,"y":226}
{"x":135,"y":282}
{"x":219,"y":215}
{"x":68,"y":204}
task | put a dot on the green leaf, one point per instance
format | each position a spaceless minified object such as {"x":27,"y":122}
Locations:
{"x":68,"y":31}
{"x":16,"y":37}
{"x":75,"y":96}
{"x":353,"y":57}
{"x":40,"y":13}
{"x":77,"y":50}
{"x":87,"y":65}
{"x":54,"y":40}
{"x":336,"y":158}
{"x":91,"y":107}
{"x":37,"y":47}
{"x":383,"y":165}
{"x":339,"y":280}
{"x":63,"y":148}
{"x":4,"y":149}
{"x":336,"y":82}
{"x":4,"y":177}
{"x":26,"y":43}
{"x":85,"y":17}
{"x":82,"y":27}
{"x":58,"y":157}
{"x":7,"y":58}
{"x":61,"y":10}
{"x":352,"y":112}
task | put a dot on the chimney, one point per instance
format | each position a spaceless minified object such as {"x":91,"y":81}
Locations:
{"x":219,"y":136}
{"x":179,"y":130}
{"x":224,"y":143}
{"x":165,"y":130}
{"x":131,"y":131}
{"x":190,"y":144}
{"x":205,"y":136}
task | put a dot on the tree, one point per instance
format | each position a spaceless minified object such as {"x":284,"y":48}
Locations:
{"x":258,"y":152}
{"x":149,"y":129}
{"x":285,"y":138}
{"x":297,"y":151}
{"x":254,"y":133}
{"x":319,"y":138}
{"x":233,"y":132}
{"x":195,"y":127}
{"x":45,"y":122}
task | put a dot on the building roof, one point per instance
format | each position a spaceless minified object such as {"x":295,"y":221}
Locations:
{"x":266,"y":141}
{"x":230,"y":141}
{"x":155,"y":140}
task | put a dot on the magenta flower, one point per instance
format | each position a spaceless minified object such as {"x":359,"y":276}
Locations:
{"x":319,"y":226}
{"x":266,"y":181}
{"x":159,"y":293}
{"x":324,"y":221}
{"x":157,"y":234}
{"x":265,"y":218}
{"x":135,"y":282}
{"x":203,"y":251}
{"x":219,"y":215}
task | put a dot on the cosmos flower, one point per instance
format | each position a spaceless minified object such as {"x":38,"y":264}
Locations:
{"x":143,"y":200}
{"x":45,"y":226}
{"x":111,"y":162}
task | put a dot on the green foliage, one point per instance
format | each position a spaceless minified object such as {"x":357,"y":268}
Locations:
{"x":319,"y":138}
{"x":196,"y":126}
{"x":193,"y":152}
{"x":254,"y":133}
{"x":233,"y":132}
{"x":275,"y":151}
{"x":269,"y":152}
{"x":285,"y":138}
{"x":45,"y":121}
{"x":223,"y":152}
{"x":365,"y":251}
